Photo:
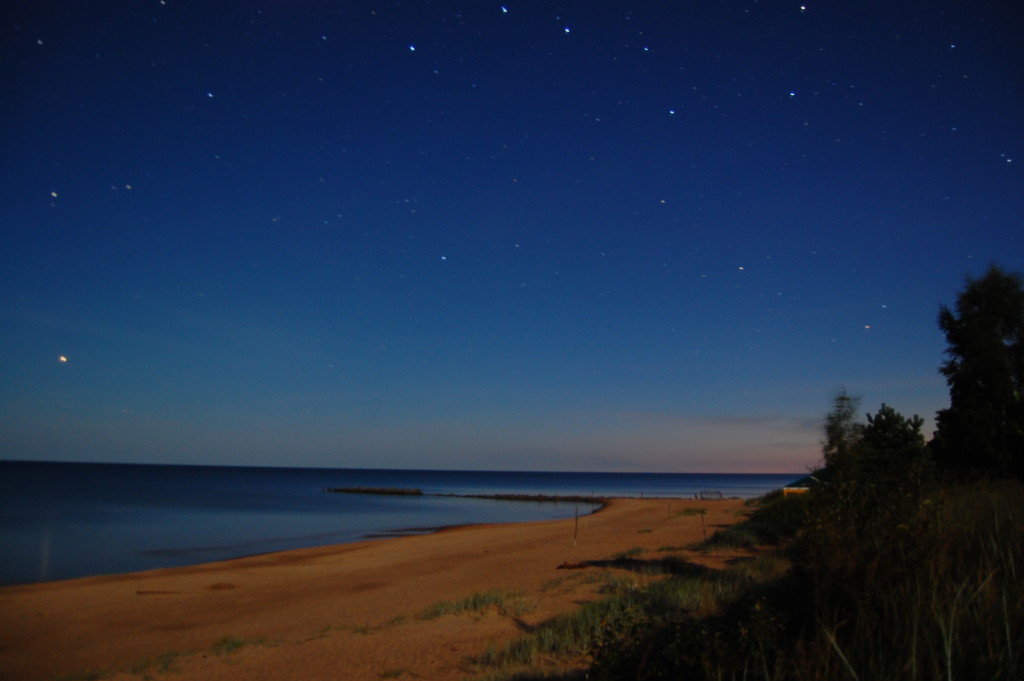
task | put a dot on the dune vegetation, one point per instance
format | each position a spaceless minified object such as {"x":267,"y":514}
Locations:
{"x":904,"y":560}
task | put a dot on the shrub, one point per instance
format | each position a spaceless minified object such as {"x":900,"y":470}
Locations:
{"x":775,"y":519}
{"x":937,"y":595}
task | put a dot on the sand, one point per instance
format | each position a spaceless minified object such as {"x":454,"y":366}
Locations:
{"x":351,"y":611}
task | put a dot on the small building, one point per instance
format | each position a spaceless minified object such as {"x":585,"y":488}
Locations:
{"x":801,"y":486}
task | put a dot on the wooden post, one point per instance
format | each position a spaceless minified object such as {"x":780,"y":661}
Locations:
{"x":576,"y":524}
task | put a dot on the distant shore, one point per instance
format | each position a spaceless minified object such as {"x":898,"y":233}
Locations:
{"x":351,"y":611}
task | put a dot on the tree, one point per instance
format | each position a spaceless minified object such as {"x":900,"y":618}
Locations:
{"x":982,"y":431}
{"x":887,"y":454}
{"x":874,"y":479}
{"x":841,"y":430}
{"x":891,"y":445}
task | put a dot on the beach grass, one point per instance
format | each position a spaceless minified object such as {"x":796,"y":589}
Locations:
{"x":629,"y":553}
{"x":165,"y":664}
{"x":774,"y":519}
{"x":227,"y":645}
{"x":625,"y":605}
{"x":563,"y":583}
{"x":159,"y":665}
{"x":938,"y":595}
{"x":506,"y":603}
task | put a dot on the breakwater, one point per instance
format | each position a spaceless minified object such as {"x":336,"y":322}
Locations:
{"x":414,"y":492}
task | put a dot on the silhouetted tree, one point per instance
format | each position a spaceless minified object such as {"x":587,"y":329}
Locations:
{"x":892,"y":458}
{"x":866,"y":492}
{"x":872,"y":465}
{"x":841,"y":429}
{"x":891,"y":440}
{"x":982,"y":431}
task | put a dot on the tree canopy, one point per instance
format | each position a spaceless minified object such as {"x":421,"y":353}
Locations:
{"x":982,"y":431}
{"x":889,"y":445}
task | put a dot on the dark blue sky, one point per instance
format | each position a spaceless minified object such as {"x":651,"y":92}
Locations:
{"x":530,"y":235}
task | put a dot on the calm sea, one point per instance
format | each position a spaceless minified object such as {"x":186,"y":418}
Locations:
{"x":63,"y":520}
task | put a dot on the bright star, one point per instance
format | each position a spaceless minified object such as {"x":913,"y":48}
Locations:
{"x":62,"y":359}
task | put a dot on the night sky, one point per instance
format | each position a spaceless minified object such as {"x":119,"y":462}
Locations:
{"x":648,"y":236}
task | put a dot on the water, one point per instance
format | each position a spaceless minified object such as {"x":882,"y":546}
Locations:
{"x":60,"y":520}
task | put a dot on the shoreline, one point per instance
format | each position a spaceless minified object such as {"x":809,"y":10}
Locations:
{"x":341,"y":611}
{"x":598,"y":503}
{"x":378,"y":535}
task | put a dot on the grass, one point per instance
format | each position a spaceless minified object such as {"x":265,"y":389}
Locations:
{"x":166,"y":663}
{"x":506,"y":603}
{"x":566,"y":581}
{"x":629,"y":553}
{"x":158,"y":665}
{"x":776,"y":518}
{"x":940,"y":595}
{"x":363,"y":630}
{"x":609,"y":582}
{"x":325,"y":631}
{"x":624,"y":607}
{"x":227,"y":645}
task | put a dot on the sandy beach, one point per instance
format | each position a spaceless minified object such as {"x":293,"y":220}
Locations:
{"x":352,"y":611}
